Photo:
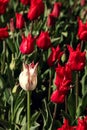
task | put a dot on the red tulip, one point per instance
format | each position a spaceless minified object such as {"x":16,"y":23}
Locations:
{"x":82,"y":30}
{"x":25,"y":2}
{"x":56,"y":9}
{"x":43,"y":41}
{"x":50,"y":20}
{"x":56,"y":97}
{"x":66,"y":126}
{"x":19,"y":21}
{"x":4,"y":33}
{"x":27,"y":45}
{"x":77,"y":59}
{"x":55,"y":55}
{"x":82,"y":124}
{"x":3,"y":6}
{"x":36,"y":9}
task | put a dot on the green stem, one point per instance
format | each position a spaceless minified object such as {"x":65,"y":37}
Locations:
{"x":28,"y":110}
{"x":3,"y":53}
{"x":66,"y":104}
{"x":77,"y":80}
{"x":49,"y":89}
{"x":54,"y":115}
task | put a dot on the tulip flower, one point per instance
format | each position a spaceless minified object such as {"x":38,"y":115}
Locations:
{"x":4,"y":32}
{"x":66,"y":126}
{"x":54,"y":56}
{"x":82,"y":30}
{"x":27,"y":44}
{"x":3,"y":6}
{"x":77,"y":59}
{"x":50,"y":20}
{"x":62,"y":81}
{"x":19,"y":21}
{"x":56,"y":9}
{"x":28,"y":77}
{"x":36,"y":9}
{"x":25,"y":2}
{"x":43,"y":41}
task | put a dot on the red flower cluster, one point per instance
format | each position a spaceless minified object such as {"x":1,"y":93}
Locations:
{"x":62,"y":81}
{"x":36,"y":9}
{"x":3,"y":6}
{"x":54,"y":14}
{"x":55,"y":55}
{"x":27,"y":44}
{"x":43,"y":42}
{"x":4,"y":33}
{"x":82,"y":30}
{"x":19,"y":21}
{"x":77,"y":59}
{"x":82,"y":125}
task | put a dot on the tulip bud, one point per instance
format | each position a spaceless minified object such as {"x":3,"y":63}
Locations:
{"x":27,"y":44}
{"x":19,"y":21}
{"x":28,"y":77}
{"x":63,"y":58}
{"x":43,"y":41}
{"x":25,"y":2}
{"x":14,"y":90}
{"x":4,"y":32}
{"x":12,"y":27}
{"x":56,"y":9}
{"x":82,"y":2}
{"x":3,"y":6}
{"x":12,"y":64}
{"x":50,"y":20}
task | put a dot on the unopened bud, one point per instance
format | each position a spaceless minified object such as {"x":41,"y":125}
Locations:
{"x":12,"y":64}
{"x":63,"y":58}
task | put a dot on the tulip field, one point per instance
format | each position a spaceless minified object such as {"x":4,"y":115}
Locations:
{"x":43,"y":65}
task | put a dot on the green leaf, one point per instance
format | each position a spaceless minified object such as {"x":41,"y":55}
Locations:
{"x":47,"y":117}
{"x":35,"y":126}
{"x":82,"y":105}
{"x":35,"y":117}
{"x":67,"y":116}
{"x":65,"y":34}
{"x":71,"y":105}
{"x":84,"y":84}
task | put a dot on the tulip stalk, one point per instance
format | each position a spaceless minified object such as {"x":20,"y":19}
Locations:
{"x":66,"y":104}
{"x":49,"y":89}
{"x":4,"y":53}
{"x":77,"y":79}
{"x":28,"y":110}
{"x":54,"y":114}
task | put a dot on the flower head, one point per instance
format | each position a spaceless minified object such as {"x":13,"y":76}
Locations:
{"x":77,"y":59}
{"x":28,"y":77}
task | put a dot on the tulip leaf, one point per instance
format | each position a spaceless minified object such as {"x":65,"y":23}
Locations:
{"x":71,"y":104}
{"x":47,"y":117}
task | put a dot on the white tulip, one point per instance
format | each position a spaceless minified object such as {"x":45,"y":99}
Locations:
{"x":28,"y":77}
